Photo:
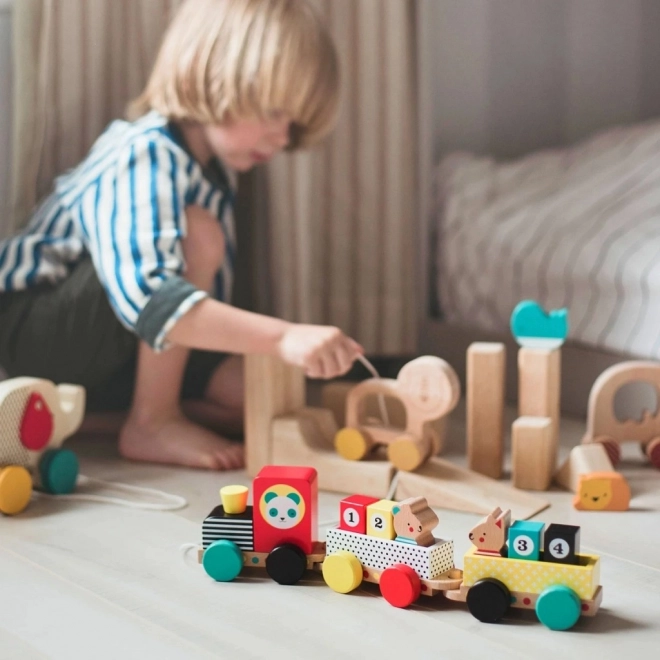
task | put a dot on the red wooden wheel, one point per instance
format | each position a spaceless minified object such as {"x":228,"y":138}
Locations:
{"x":400,"y":585}
{"x":652,"y":450}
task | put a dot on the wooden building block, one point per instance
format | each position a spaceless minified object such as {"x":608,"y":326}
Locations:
{"x":533,"y":453}
{"x":272,"y":388}
{"x":414,"y":521}
{"x":539,"y":388}
{"x":526,"y":540}
{"x":448,"y":486}
{"x":353,"y":513}
{"x":583,"y":459}
{"x":561,"y":544}
{"x":489,"y":536}
{"x":380,"y":519}
{"x":306,"y":438}
{"x":486,"y":384}
{"x":285,"y":498}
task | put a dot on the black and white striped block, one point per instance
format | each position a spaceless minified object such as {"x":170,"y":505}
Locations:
{"x":238,"y":528}
{"x":380,"y":554}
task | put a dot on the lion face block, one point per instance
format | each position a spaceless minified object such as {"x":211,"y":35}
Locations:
{"x":602,"y":491}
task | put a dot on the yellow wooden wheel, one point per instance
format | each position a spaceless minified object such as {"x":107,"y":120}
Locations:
{"x":407,"y":452}
{"x":342,"y":572}
{"x":15,"y":489}
{"x":352,"y":444}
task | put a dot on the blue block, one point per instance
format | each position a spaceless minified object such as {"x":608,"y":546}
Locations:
{"x":526,"y":540}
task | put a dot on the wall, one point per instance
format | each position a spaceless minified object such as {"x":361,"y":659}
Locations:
{"x":5,"y":105}
{"x":507,"y":77}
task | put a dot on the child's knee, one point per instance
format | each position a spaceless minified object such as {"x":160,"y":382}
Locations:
{"x":204,"y":244}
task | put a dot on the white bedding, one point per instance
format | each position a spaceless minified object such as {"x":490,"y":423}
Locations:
{"x":576,"y":227}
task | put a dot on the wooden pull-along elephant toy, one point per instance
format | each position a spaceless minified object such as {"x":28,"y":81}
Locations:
{"x":602,"y":423}
{"x":36,"y":416}
{"x":427,"y":387}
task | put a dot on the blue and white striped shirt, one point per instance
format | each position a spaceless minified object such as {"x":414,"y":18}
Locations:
{"x":124,"y":206}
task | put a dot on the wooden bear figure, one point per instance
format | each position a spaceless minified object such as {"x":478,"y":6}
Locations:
{"x":489,"y":536}
{"x":414,"y":521}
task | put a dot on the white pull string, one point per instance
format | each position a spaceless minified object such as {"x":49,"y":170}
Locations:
{"x":381,"y":399}
{"x":170,"y":502}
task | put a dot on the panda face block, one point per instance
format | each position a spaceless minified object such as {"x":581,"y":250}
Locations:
{"x":282,"y":507}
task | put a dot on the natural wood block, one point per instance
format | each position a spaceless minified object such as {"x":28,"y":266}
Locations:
{"x":533,"y":453}
{"x":539,"y":389}
{"x":486,"y":384}
{"x":272,"y":388}
{"x":583,"y":459}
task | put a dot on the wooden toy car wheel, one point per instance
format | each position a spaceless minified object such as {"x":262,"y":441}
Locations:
{"x":434,"y":438}
{"x":558,"y":607}
{"x":286,"y":564}
{"x":352,"y":444}
{"x":15,"y":489}
{"x":342,"y":572}
{"x":612,"y":448}
{"x":400,"y":585}
{"x":223,"y":560}
{"x":58,"y":469}
{"x":408,"y":453}
{"x":652,"y":451}
{"x":488,"y":600}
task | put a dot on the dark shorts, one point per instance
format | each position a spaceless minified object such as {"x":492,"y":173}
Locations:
{"x":68,"y":333}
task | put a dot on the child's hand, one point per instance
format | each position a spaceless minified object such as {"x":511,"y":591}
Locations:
{"x":322,"y":351}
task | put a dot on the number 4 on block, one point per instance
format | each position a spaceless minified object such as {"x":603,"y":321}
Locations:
{"x":562,"y":544}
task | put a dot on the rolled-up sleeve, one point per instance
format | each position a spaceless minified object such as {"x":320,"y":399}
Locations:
{"x":136,"y":240}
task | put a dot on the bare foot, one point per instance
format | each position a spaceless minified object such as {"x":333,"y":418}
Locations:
{"x":178,"y":441}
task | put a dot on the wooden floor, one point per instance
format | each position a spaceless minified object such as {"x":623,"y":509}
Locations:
{"x":86,"y":580}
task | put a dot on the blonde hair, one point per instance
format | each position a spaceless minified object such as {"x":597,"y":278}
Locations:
{"x":236,"y":59}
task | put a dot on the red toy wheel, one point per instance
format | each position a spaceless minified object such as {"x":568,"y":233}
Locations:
{"x":400,"y":585}
{"x":652,"y":450}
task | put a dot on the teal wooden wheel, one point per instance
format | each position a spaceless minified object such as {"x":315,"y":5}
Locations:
{"x":58,"y":469}
{"x":223,"y":560}
{"x":558,"y":607}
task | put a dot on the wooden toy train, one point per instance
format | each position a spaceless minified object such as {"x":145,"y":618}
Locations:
{"x":392,"y":544}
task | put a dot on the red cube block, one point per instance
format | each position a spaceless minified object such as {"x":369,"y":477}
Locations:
{"x":285,"y":507}
{"x":353,"y":513}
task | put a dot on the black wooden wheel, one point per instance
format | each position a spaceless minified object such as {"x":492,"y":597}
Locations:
{"x":488,"y":600}
{"x":286,"y":564}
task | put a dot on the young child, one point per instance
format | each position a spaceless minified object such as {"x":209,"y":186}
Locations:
{"x":126,"y":266}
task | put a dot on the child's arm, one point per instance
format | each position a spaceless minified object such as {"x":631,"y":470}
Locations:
{"x":323,"y":351}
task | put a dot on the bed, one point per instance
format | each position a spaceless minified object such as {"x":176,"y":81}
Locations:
{"x":539,"y":164}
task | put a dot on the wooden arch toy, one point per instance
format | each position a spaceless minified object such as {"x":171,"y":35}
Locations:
{"x":428,"y":388}
{"x":602,"y":423}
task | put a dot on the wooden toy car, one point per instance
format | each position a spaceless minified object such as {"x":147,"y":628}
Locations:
{"x":604,"y":426}
{"x":428,"y":388}
{"x":35,"y":418}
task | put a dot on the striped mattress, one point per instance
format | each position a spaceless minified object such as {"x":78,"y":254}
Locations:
{"x":577,"y":227}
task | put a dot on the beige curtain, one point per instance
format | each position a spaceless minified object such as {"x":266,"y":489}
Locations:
{"x":77,"y":63}
{"x":333,"y":231}
{"x":343,"y":218}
